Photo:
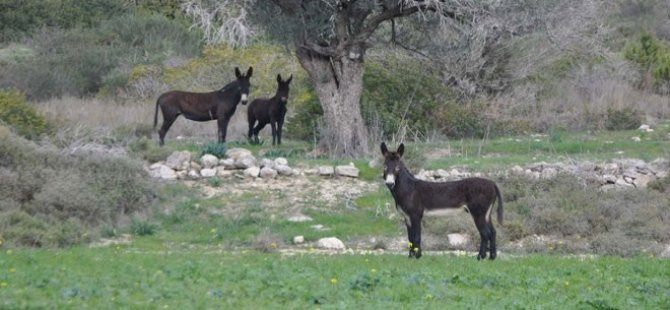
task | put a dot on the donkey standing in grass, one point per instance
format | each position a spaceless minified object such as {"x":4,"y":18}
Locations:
{"x":218,"y":105}
{"x":272,"y":110}
{"x":415,"y":198}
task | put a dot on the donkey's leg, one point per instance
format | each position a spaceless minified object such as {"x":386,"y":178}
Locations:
{"x":168,"y":120}
{"x":493,"y":252}
{"x":251,"y":128}
{"x":223,"y":127}
{"x":410,"y":238}
{"x":280,"y":125}
{"x":273,"y":125}
{"x":258,"y":129}
{"x":484,"y":234}
{"x":416,"y":244}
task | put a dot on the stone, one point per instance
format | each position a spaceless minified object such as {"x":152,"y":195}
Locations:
{"x":299,"y":218}
{"x":298,"y":239}
{"x":642,"y":181}
{"x":268,"y":173}
{"x":457,"y":239}
{"x":517,"y":170}
{"x":666,"y":252}
{"x":548,"y":173}
{"x":326,"y":171}
{"x":193,"y":174}
{"x":164,"y":172}
{"x":347,"y":170}
{"x":330,"y":243}
{"x":266,"y":163}
{"x":177,"y":159}
{"x":281,"y":161}
{"x":228,"y":163}
{"x":252,"y":172}
{"x":209,"y":161}
{"x":208,"y":172}
{"x":237,"y":152}
{"x":245,"y":162}
{"x":284,"y":170}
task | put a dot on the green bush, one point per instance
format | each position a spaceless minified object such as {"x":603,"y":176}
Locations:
{"x":652,"y":55}
{"x":623,"y":119}
{"x":58,"y":199}
{"x":460,"y":121}
{"x":17,"y":113}
{"x":214,"y":148}
{"x":140,"y":227}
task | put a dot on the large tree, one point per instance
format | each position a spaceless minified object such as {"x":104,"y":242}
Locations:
{"x":331,"y":38}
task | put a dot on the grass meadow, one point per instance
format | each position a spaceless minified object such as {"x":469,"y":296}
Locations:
{"x":152,"y":275}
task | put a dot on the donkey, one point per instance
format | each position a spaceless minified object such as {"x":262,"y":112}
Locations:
{"x":201,"y":107}
{"x":272,"y":110}
{"x":415,"y":198}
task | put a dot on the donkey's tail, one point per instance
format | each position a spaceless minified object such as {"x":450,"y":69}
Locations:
{"x":156,"y":114}
{"x":500,"y":204}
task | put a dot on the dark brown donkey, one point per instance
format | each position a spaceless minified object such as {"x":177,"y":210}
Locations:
{"x":272,"y":110}
{"x":415,"y":198}
{"x":218,"y":105}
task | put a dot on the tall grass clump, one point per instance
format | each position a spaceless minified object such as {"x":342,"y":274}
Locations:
{"x":51,"y":198}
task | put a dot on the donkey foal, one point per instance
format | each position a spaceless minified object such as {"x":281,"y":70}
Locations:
{"x":414,"y":198}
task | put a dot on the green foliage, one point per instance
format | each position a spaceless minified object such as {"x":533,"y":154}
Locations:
{"x":214,"y":148}
{"x":148,"y":150}
{"x":402,"y":94}
{"x":652,"y":55}
{"x":17,"y":113}
{"x":58,"y":198}
{"x":82,"y":61}
{"x":461,"y":121}
{"x":141,"y":227}
{"x":623,"y":119}
{"x":20,"y":18}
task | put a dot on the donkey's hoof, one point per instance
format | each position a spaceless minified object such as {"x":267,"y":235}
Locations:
{"x":481,"y":256}
{"x":493,"y":256}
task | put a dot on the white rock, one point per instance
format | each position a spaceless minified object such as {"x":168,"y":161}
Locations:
{"x":228,"y":163}
{"x":330,"y":243}
{"x":237,"y":152}
{"x":636,"y":139}
{"x":193,"y":174}
{"x":666,"y":252}
{"x":644,"y":127}
{"x":157,"y":165}
{"x":548,"y":173}
{"x":252,"y":172}
{"x":457,"y":239}
{"x":517,"y":169}
{"x":209,"y":160}
{"x":347,"y":170}
{"x":177,"y":159}
{"x":208,"y":173}
{"x":326,"y":170}
{"x":245,"y":162}
{"x":298,"y":218}
{"x":195,"y":166}
{"x":284,"y":170}
{"x":164,"y":172}
{"x":268,"y":173}
{"x":281,"y":161}
{"x":266,"y":163}
{"x":298,"y":239}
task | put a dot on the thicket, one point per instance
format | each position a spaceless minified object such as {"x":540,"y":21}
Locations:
{"x":50,"y":198}
{"x":18,"y":114}
{"x":653,"y":57}
{"x":81,"y":61}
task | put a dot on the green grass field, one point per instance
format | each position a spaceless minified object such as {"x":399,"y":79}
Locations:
{"x":195,"y":277}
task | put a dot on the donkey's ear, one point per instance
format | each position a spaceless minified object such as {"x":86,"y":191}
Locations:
{"x":250,"y":71}
{"x":289,"y":79}
{"x":385,"y":150}
{"x":401,"y":149}
{"x":237,"y":72}
{"x":278,"y":78}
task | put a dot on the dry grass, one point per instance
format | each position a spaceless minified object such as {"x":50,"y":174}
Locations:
{"x":101,"y":116}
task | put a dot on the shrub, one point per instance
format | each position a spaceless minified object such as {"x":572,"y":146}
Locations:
{"x":623,"y":119}
{"x":140,"y":227}
{"x":652,"y":55}
{"x":462,"y":121}
{"x":62,"y":196}
{"x":17,"y":113}
{"x":214,"y":148}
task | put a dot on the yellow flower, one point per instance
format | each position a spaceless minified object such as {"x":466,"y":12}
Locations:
{"x":1,"y":242}
{"x":3,"y":284}
{"x":373,"y":270}
{"x":12,"y":270}
{"x":429,"y":296}
{"x":333,"y":280}
{"x":213,"y":230}
{"x":9,"y":252}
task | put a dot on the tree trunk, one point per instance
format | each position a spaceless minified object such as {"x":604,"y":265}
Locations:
{"x":338,"y":83}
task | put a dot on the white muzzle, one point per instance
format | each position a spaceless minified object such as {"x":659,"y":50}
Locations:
{"x":390,"y":179}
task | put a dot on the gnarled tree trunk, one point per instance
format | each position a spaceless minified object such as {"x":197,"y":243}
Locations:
{"x":338,"y":83}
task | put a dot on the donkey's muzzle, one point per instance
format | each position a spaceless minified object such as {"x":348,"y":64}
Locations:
{"x":244,"y":99}
{"x":389,"y":179}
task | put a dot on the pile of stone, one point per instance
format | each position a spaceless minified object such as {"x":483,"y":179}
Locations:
{"x":621,"y":173}
{"x":182,"y":165}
